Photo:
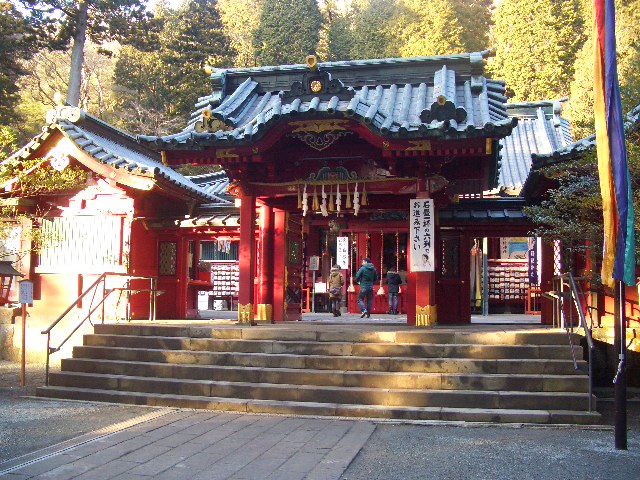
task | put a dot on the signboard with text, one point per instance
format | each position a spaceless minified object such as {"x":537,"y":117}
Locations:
{"x":314,"y":263}
{"x":342,"y":252}
{"x":422,"y":240}
{"x":25,"y":292}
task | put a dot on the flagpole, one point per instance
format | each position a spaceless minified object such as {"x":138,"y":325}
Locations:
{"x":620,"y":380}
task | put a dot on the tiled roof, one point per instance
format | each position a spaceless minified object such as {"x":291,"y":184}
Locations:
{"x":114,"y":148}
{"x":442,"y":96}
{"x":540,"y":130}
{"x":570,"y":151}
{"x":483,"y":210}
{"x":215,"y":183}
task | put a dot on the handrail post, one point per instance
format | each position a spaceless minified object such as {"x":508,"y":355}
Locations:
{"x":104,"y":294}
{"x":46,"y":372}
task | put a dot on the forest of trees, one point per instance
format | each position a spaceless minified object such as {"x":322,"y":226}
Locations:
{"x":139,"y":65}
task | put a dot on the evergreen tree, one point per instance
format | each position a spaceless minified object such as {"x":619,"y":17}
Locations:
{"x":157,"y":89}
{"x":375,"y":33}
{"x":16,"y":45}
{"x":239,"y":20}
{"x":474,"y":16}
{"x":430,"y":27}
{"x":288,"y":31}
{"x":60,"y":21}
{"x":537,"y":43}
{"x":336,"y":35}
{"x":580,"y":108}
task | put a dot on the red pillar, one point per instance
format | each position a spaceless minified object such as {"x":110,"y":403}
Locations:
{"x":279,"y":265}
{"x":265,"y":288}
{"x":546,"y":274}
{"x":246,"y":250}
{"x":424,"y":283}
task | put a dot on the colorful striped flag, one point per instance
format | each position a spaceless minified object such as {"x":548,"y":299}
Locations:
{"x":618,"y":262}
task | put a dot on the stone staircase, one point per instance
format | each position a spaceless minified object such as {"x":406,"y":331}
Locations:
{"x":394,"y":373}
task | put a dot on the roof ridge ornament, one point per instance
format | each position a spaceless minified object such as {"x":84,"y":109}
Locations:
{"x":316,"y":82}
{"x":64,"y":112}
{"x":444,"y":107}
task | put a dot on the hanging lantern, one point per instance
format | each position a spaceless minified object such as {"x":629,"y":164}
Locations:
{"x":299,"y":197}
{"x":7,"y":272}
{"x":381,"y":290}
{"x":365,"y":199}
{"x":348,"y":201}
{"x":338,"y":198}
{"x":315,"y":206}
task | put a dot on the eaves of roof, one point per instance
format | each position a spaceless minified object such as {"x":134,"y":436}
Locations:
{"x":430,"y":97}
{"x":114,"y":148}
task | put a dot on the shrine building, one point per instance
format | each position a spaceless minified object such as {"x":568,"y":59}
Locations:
{"x":343,"y":150}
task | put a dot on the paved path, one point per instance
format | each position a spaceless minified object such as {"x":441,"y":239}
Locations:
{"x":192,"y":445}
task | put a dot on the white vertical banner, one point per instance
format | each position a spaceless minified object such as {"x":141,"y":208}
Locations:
{"x":342,"y":252}
{"x":422,"y":235}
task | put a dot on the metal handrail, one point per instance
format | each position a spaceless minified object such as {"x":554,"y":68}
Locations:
{"x":576,"y":294}
{"x":106,"y":292}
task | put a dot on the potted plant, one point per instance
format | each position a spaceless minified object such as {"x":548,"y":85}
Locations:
{"x":204,"y":271}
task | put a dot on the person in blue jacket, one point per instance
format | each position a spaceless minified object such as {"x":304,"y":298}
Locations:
{"x":365,"y":276}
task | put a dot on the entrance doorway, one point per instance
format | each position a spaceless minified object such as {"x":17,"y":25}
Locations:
{"x":504,"y":279}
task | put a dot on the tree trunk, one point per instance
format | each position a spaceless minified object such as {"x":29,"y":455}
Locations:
{"x":77,"y":55}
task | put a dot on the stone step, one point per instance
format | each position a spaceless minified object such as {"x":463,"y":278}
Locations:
{"x":269,"y":332}
{"x":324,"y":362}
{"x":334,"y":348}
{"x":473,"y":414}
{"x":326,"y":394}
{"x":368,"y":379}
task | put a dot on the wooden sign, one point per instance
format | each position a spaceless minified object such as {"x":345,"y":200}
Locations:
{"x":314,"y":263}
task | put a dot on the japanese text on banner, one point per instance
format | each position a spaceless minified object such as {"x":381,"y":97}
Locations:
{"x":422,"y":237}
{"x":342,"y":252}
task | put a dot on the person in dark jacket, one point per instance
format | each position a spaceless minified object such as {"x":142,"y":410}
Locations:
{"x":393,"y":289}
{"x":365,"y":276}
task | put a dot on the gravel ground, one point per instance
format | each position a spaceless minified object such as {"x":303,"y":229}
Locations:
{"x":410,"y":452}
{"x":28,"y":424}
{"x":394,"y":451}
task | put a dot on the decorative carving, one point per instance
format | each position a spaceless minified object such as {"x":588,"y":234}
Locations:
{"x":333,"y":174}
{"x":210,"y":124}
{"x":58,"y":159}
{"x":294,"y":252}
{"x":318,"y":126}
{"x":63,"y":112}
{"x":419,"y":145}
{"x":426,"y":316}
{"x":316,"y":83}
{"x":245,"y":313}
{"x":385,"y":216}
{"x":320,"y":141}
{"x":226,"y":153}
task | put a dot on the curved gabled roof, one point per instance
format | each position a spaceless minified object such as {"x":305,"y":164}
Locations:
{"x":114,"y":148}
{"x":441,"y":96}
{"x":571,"y":151}
{"x":540,"y":130}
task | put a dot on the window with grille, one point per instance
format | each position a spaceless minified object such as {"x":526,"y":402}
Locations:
{"x":73,"y":243}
